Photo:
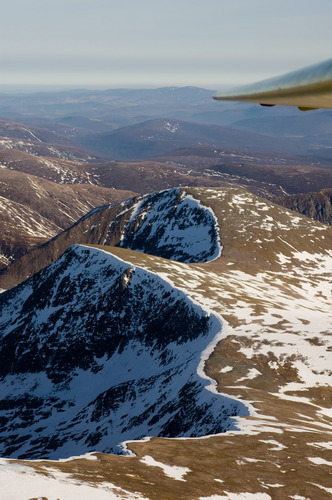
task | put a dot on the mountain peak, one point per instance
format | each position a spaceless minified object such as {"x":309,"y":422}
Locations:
{"x":172,"y":224}
{"x":98,"y":352}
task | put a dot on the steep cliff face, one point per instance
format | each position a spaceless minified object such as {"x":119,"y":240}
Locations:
{"x":94,"y":352}
{"x":172,"y":225}
{"x":314,"y":205}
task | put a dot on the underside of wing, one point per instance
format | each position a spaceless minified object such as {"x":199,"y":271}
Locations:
{"x":307,"y":88}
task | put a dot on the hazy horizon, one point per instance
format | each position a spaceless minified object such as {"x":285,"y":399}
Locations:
{"x":35,"y":88}
{"x":105,"y":44}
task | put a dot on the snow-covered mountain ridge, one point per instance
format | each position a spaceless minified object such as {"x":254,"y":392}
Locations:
{"x":99,"y":352}
{"x":171,"y":224}
{"x":105,"y":314}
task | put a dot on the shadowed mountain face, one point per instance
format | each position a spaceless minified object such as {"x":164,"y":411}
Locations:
{"x":94,"y":352}
{"x":172,"y":225}
{"x":169,"y":224}
{"x":314,"y":205}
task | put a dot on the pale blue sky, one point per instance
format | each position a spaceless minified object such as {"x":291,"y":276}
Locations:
{"x":151,"y":43}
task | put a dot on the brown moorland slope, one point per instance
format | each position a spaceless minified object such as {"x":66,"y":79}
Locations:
{"x":33,"y":210}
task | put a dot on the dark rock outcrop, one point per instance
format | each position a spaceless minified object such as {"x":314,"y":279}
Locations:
{"x":317,"y":205}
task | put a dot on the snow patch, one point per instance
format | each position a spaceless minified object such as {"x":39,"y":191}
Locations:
{"x":238,"y":496}
{"x":173,"y":471}
{"x":320,"y":461}
{"x":22,"y":482}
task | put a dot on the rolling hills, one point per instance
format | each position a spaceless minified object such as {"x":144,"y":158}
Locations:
{"x":33,"y":210}
{"x":157,"y":137}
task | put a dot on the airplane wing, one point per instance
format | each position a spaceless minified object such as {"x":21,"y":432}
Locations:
{"x":307,"y":88}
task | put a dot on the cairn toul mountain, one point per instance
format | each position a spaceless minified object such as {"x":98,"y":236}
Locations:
{"x":170,"y":224}
{"x":94,"y":352}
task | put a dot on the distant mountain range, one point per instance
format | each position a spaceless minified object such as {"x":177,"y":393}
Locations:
{"x":157,"y":137}
{"x":74,"y":113}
